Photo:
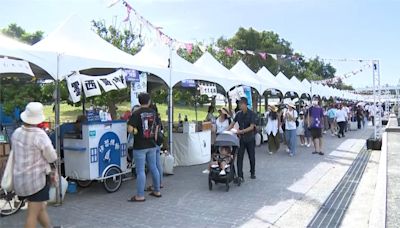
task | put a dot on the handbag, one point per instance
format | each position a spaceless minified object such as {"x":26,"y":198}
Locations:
{"x":7,"y":181}
{"x":53,"y":191}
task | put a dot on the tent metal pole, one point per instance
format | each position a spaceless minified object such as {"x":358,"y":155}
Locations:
{"x":57,"y":132}
{"x":170,"y":103}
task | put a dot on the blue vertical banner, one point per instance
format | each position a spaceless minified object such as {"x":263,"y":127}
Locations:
{"x":247,"y":92}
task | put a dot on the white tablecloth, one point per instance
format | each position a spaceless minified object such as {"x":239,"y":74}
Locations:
{"x":192,"y":148}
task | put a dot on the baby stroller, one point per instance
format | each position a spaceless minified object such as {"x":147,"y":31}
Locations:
{"x":226,"y":139}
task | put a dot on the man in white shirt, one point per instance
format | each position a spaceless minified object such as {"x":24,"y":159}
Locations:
{"x":341,"y":119}
{"x":372,"y":113}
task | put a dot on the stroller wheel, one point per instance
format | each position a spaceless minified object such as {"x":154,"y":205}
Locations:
{"x":210,"y":185}
{"x":227,"y":187}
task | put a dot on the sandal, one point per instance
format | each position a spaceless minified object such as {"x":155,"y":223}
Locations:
{"x":155,"y":195}
{"x":134,"y":199}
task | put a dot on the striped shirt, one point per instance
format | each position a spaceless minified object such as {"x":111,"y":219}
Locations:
{"x":33,"y":151}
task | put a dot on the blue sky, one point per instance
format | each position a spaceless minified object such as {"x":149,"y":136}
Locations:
{"x":360,"y":29}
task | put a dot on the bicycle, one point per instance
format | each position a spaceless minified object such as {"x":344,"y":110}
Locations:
{"x":9,"y":203}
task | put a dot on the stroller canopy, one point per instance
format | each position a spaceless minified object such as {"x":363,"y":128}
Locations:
{"x":227,"y":138}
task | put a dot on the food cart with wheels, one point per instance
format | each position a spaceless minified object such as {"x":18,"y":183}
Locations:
{"x":98,"y":154}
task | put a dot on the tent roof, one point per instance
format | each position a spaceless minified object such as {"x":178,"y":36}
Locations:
{"x":299,"y":85}
{"x":271,"y":81}
{"x":78,"y":48}
{"x":155,"y":59}
{"x":281,"y":78}
{"x":208,"y":63}
{"x":37,"y":59}
{"x":248,"y":76}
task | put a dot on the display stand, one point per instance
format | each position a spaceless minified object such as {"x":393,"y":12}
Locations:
{"x":192,"y":148}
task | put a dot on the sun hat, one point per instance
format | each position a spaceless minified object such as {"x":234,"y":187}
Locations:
{"x":291,"y":105}
{"x":223,"y":110}
{"x":33,"y":113}
{"x":273,"y":108}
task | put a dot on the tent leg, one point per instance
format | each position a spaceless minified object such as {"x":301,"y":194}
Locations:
{"x":58,"y":140}
{"x":170,"y":120}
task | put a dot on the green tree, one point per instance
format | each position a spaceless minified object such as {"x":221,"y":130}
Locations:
{"x":15,"y":31}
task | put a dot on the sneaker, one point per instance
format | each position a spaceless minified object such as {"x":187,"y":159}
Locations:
{"x":321,"y":153}
{"x":302,"y":144}
{"x":253,"y":176}
{"x":287,"y":150}
{"x":338,"y":136}
{"x":324,"y":132}
{"x":291,"y":155}
{"x":308,"y":145}
{"x":332,"y":134}
{"x":270,"y":153}
{"x":206,"y":171}
{"x":315,"y":152}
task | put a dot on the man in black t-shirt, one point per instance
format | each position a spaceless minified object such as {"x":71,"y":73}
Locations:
{"x":247,"y":123}
{"x":143,"y":125}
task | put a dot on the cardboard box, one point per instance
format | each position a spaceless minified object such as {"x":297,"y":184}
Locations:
{"x":206,"y":126}
{"x":4,"y":149}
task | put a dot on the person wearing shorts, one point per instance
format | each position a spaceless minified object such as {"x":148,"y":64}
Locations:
{"x":33,"y":153}
{"x":315,"y":124}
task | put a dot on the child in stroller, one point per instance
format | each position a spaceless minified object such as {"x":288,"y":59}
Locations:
{"x":222,"y":168}
{"x":221,"y":160}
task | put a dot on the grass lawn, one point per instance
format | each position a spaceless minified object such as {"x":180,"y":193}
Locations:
{"x":69,"y":113}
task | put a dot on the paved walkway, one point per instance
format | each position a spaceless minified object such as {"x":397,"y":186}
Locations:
{"x":393,"y":181}
{"x":287,"y":193}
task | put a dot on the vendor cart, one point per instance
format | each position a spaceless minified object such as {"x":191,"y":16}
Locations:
{"x":97,"y":154}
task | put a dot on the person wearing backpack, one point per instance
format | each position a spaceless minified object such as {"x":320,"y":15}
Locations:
{"x":290,"y":117}
{"x":143,"y":125}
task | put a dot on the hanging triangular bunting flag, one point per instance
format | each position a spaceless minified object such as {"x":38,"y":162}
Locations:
{"x":263,"y":55}
{"x":229,"y":51}
{"x":189,"y":48}
{"x":203,"y":48}
{"x":274,"y":56}
{"x":242,"y":52}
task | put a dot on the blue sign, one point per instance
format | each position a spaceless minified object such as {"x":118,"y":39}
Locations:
{"x":132,"y":75}
{"x":247,"y":92}
{"x":189,"y":83}
{"x":109,"y":150}
{"x":92,"y":115}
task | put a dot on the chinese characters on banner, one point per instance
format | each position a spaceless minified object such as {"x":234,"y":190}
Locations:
{"x":90,"y":86}
{"x":118,"y":79}
{"x":74,"y":87}
{"x":106,"y":84}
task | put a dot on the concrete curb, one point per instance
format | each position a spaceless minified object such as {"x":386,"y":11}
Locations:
{"x":378,"y":214}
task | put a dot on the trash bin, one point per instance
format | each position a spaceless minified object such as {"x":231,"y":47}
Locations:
{"x":374,"y":144}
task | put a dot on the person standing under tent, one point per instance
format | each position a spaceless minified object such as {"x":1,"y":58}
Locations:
{"x":143,"y":125}
{"x":315,"y":117}
{"x":159,"y":141}
{"x":247,"y":124}
{"x":272,"y":129}
{"x":331,"y":119}
{"x":33,"y":168}
{"x":210,"y":114}
{"x":223,"y":121}
{"x":290,"y":118}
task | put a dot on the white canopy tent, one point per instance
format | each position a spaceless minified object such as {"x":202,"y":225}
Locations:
{"x":241,"y":70}
{"x":296,"y":82}
{"x":282,"y":79}
{"x":218,"y":72}
{"x":170,"y":67}
{"x":271,"y":82}
{"x":76,"y":47}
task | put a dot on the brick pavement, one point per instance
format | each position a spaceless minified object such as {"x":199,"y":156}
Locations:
{"x":186,"y":200}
